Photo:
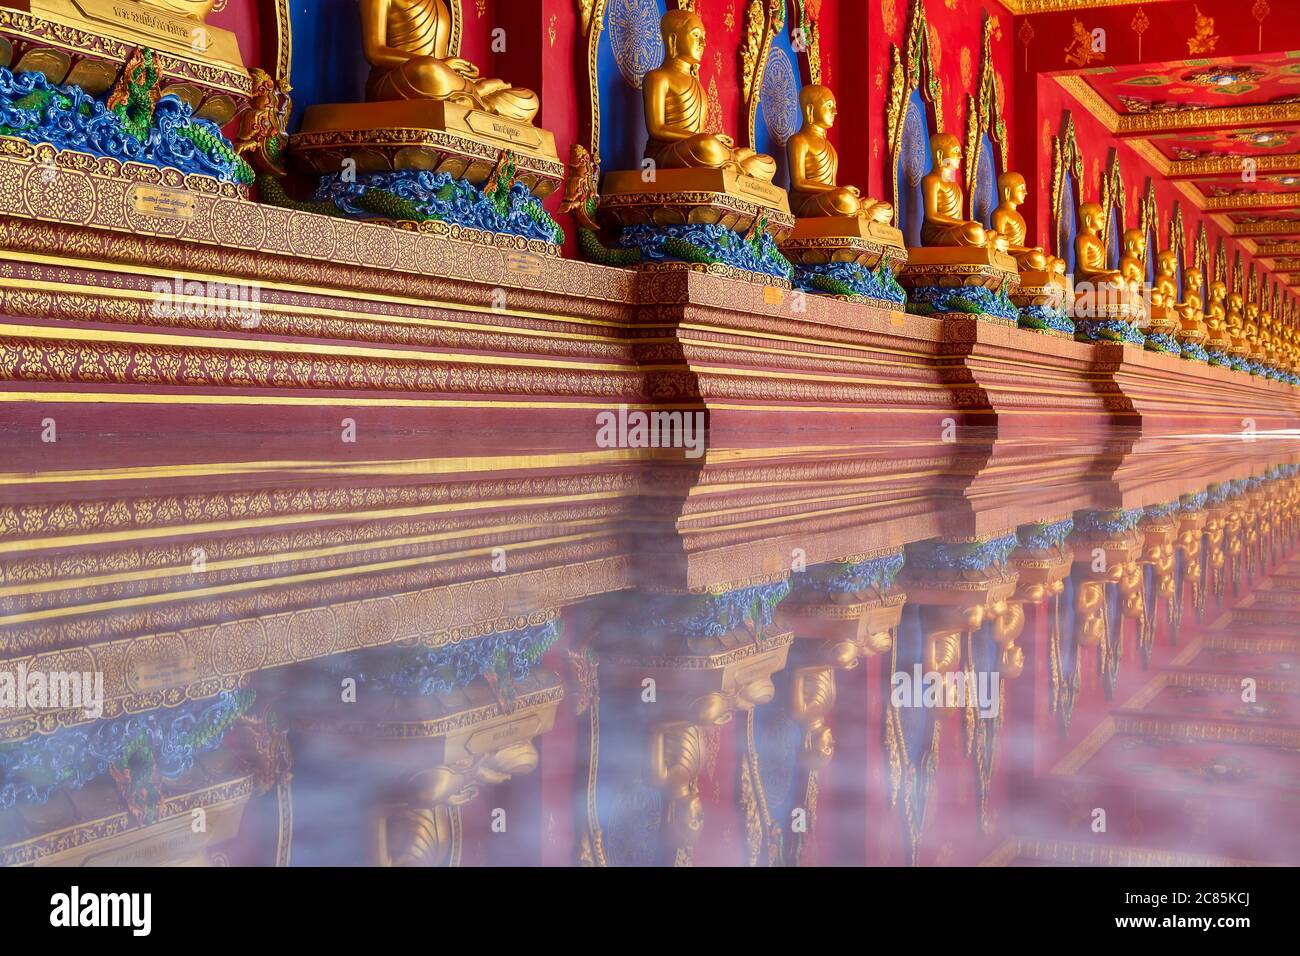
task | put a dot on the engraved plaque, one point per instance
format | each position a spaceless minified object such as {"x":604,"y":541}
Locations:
{"x":162,"y":203}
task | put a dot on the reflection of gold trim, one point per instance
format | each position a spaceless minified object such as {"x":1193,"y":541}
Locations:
{"x":1064,"y":853}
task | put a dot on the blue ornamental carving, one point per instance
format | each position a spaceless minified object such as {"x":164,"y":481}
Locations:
{"x":960,"y":555}
{"x":1108,"y":522}
{"x":850,"y":278}
{"x":710,"y":243}
{"x":66,"y":117}
{"x":695,"y":616}
{"x":852,"y":578}
{"x":779,"y":97}
{"x":634,"y":37}
{"x":973,"y":300}
{"x":1044,"y":537}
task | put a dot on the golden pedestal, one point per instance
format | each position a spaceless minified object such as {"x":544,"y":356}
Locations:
{"x":1192,"y":330}
{"x":1039,"y":287}
{"x":433,"y":135}
{"x":87,"y":42}
{"x":1107,"y":302}
{"x":820,"y":240}
{"x":953,"y":266}
{"x":678,"y":197}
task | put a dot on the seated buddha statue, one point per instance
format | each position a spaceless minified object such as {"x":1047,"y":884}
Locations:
{"x":943,"y":195}
{"x":1090,"y":251}
{"x":406,"y":43}
{"x":1008,"y":222}
{"x":1132,"y":264}
{"x":1164,"y":290}
{"x":1236,"y":324}
{"x":675,"y":106}
{"x":1216,"y":317}
{"x":814,"y":166}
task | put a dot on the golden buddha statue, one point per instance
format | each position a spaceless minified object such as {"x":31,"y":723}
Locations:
{"x":943,"y":195}
{"x":406,"y":44}
{"x":1090,"y":252}
{"x":1216,"y":318}
{"x":1132,"y":264}
{"x":1236,"y":325}
{"x":675,"y":107}
{"x":1192,"y":301}
{"x":814,"y":166}
{"x":1008,"y":222}
{"x":1164,"y":290}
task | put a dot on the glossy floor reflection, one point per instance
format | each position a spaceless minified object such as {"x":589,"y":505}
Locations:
{"x":312,"y":652}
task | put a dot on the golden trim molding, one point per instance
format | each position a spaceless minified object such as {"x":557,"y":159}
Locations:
{"x":1022,"y":7}
{"x":1092,"y":101}
{"x":1227,"y":165}
{"x":1129,"y":124}
{"x":1256,"y":200}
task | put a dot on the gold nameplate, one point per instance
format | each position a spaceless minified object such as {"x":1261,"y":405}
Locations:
{"x":493,"y":738}
{"x":765,"y":193}
{"x":494,"y":127}
{"x":162,"y":203}
{"x":163,"y":673}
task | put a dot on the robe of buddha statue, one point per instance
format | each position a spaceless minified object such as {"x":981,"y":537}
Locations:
{"x":407,"y":45}
{"x":1008,"y":222}
{"x":1090,"y":251}
{"x":675,"y":108}
{"x":814,"y":166}
{"x":943,"y":195}
{"x":1164,"y":290}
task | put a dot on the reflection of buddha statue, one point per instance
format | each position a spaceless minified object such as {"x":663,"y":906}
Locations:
{"x":1090,"y":252}
{"x":1008,"y":222}
{"x":195,"y":9}
{"x":1132,"y":264}
{"x":406,"y":43}
{"x":814,"y":165}
{"x":675,"y":107}
{"x":1089,"y":609}
{"x":944,"y":225}
{"x":812,"y":697}
{"x":676,"y":759}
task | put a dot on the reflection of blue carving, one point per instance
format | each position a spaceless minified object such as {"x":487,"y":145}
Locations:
{"x":1163,"y":342}
{"x":504,"y":657}
{"x":1044,"y":537}
{"x":1160,"y":511}
{"x":708,"y":243}
{"x":694,"y":616}
{"x":634,"y":35}
{"x":421,"y":194}
{"x":1041,"y":317}
{"x":32,"y":769}
{"x":850,"y":278}
{"x":960,"y":555}
{"x":1194,"y":351}
{"x":1107,"y":330}
{"x":974,"y":300}
{"x":852,"y":578}
{"x":779,"y":96}
{"x":1108,"y":522}
{"x":66,"y":117}
{"x":1193,"y":502}
{"x":1217,"y":357}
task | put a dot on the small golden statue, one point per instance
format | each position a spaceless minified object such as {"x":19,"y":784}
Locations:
{"x":1216,"y":318}
{"x":1164,"y":290}
{"x":1192,"y":310}
{"x":1204,"y":39}
{"x":943,"y":195}
{"x":675,"y":107}
{"x":406,"y":44}
{"x":1008,"y":222}
{"x":1132,"y":264}
{"x":814,"y":165}
{"x":812,"y":698}
{"x":676,"y":759}
{"x":1090,"y":252}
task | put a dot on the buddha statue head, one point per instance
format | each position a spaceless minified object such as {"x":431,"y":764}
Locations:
{"x":1218,"y":291}
{"x":1012,"y":189}
{"x":1166,"y":262}
{"x":1135,"y":243}
{"x":684,"y":37}
{"x":1092,"y":218}
{"x":945,"y":150}
{"x":817,"y":104}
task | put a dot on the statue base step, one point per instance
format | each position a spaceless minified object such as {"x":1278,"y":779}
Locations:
{"x":690,"y":197}
{"x":430,"y":135}
{"x":951,"y":266}
{"x":1038,"y":287}
{"x":828,"y":239}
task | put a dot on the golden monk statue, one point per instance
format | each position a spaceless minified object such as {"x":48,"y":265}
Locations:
{"x":812,"y":698}
{"x":676,"y":759}
{"x":944,"y":225}
{"x":1132,"y":264}
{"x":1164,"y":290}
{"x":814,"y":165}
{"x":1090,"y":251}
{"x":675,"y":106}
{"x":406,"y":43}
{"x":1008,"y":222}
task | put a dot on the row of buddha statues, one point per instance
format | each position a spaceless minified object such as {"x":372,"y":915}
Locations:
{"x":822,"y":235}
